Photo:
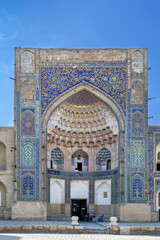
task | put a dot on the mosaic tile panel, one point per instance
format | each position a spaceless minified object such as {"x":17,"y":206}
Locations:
{"x":28,"y":165}
{"x":28,"y":155}
{"x":137,"y":154}
{"x":56,"y":80}
{"x":157,"y":139}
{"x":28,"y":186}
{"x":157,"y":185}
{"x":137,"y":187}
{"x":28,"y":122}
{"x":83,"y":99}
{"x":137,"y":124}
{"x":154,"y":140}
{"x":18,"y":144}
{"x":57,"y":156}
{"x":80,"y":154}
{"x":103,"y":156}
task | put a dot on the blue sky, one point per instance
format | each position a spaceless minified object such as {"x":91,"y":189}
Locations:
{"x":78,"y":24}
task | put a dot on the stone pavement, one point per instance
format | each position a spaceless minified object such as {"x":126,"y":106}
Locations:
{"x":55,"y":236}
{"x":90,"y":225}
{"x":50,"y":227}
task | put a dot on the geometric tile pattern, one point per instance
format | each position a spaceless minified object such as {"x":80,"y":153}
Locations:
{"x":136,"y":145}
{"x":103,"y":156}
{"x":57,"y":156}
{"x":80,"y":154}
{"x":28,"y":155}
{"x":137,"y":154}
{"x":137,"y":124}
{"x":28,"y":186}
{"x":83,"y":99}
{"x":154,"y":176}
{"x":157,"y":185}
{"x":56,"y":80}
{"x":137,"y":188}
{"x":28,"y":122}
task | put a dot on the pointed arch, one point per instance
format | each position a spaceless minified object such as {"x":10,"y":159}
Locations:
{"x":103,"y":187}
{"x":58,"y":186}
{"x":157,"y":165}
{"x":137,"y":61}
{"x":137,"y":187}
{"x":103,"y":159}
{"x":93,"y":90}
{"x":158,"y":200}
{"x":27,"y":62}
{"x":2,"y":195}
{"x":28,"y":186}
{"x":57,"y":159}
{"x":2,"y":155}
{"x":79,"y":160}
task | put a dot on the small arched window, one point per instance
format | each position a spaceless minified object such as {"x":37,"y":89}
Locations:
{"x":157,"y":158}
{"x":57,"y":159}
{"x":79,"y":161}
{"x":2,"y":156}
{"x":103,"y":161}
{"x":2,"y":195}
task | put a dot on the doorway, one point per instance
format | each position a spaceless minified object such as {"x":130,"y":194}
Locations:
{"x":79,"y":208}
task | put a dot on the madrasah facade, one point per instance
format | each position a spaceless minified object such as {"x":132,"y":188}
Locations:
{"x":80,"y":139}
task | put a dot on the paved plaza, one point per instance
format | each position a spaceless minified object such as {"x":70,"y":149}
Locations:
{"x":55,"y":236}
{"x":88,"y":225}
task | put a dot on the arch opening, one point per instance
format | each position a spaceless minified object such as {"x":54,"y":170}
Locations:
{"x":83,"y":121}
{"x":2,"y":156}
{"x":157,"y":165}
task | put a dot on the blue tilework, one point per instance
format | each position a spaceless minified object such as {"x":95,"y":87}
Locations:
{"x":28,"y":155}
{"x":56,"y":80}
{"x":103,"y":156}
{"x":28,"y":187}
{"x":57,"y":156}
{"x":18,"y":144}
{"x":137,"y":187}
{"x":91,"y":176}
{"x":137,"y":154}
{"x":157,"y":186}
{"x":83,"y":99}
{"x":137,"y":124}
{"x":154,"y":140}
{"x":28,"y":150}
{"x":27,"y":122}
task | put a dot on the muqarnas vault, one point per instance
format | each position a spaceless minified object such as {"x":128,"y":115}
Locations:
{"x":80,"y":139}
